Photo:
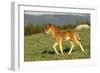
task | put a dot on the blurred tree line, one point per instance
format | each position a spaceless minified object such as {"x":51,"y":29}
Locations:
{"x":31,"y":28}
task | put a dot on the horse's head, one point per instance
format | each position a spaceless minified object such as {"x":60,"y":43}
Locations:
{"x":49,"y":28}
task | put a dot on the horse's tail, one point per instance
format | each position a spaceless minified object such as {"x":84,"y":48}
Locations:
{"x":77,"y":36}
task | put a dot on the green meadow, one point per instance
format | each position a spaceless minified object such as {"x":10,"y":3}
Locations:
{"x":39,"y":47}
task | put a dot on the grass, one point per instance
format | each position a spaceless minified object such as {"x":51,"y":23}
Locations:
{"x":38,"y":47}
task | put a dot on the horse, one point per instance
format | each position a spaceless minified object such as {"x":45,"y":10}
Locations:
{"x":60,"y":36}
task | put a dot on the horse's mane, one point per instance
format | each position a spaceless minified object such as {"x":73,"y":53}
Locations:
{"x":55,"y":27}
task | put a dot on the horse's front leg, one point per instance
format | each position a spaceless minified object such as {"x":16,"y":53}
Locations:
{"x":54,"y":46}
{"x":72,"y":46}
{"x":61,"y":49}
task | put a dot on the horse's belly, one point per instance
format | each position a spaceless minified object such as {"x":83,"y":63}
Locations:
{"x":67,"y":38}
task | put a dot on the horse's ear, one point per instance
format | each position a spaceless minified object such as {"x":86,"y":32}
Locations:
{"x":49,"y":24}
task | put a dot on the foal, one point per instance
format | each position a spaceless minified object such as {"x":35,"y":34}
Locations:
{"x":61,"y":36}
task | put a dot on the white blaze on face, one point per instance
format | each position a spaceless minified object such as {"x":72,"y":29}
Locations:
{"x":46,"y":32}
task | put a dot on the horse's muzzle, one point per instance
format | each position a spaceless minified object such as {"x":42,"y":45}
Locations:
{"x":46,"y":32}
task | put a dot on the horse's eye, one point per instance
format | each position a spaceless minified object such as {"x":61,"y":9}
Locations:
{"x":47,"y":28}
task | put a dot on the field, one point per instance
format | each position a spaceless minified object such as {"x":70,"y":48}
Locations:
{"x":38,"y":47}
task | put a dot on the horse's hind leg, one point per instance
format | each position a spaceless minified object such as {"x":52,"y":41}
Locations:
{"x":79,"y":43}
{"x":72,"y":46}
{"x":54,"y":46}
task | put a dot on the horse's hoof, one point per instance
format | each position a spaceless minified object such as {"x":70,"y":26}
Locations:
{"x":62,"y":54}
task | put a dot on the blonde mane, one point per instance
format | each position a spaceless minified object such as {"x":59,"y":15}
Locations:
{"x":56,"y":28}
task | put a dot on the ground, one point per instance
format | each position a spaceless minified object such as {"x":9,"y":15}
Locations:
{"x":38,"y":47}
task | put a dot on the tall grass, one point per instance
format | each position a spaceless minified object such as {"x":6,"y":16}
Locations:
{"x":31,"y":28}
{"x":34,"y":28}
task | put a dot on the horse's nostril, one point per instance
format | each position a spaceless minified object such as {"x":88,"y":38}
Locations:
{"x":46,"y":32}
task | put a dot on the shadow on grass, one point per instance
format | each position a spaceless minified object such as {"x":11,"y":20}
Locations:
{"x":46,"y":51}
{"x":67,"y":49}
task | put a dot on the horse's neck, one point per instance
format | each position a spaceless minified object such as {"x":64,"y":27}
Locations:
{"x":55,"y":32}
